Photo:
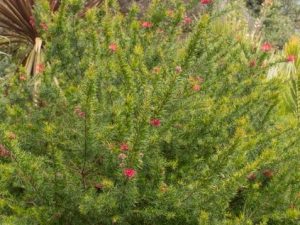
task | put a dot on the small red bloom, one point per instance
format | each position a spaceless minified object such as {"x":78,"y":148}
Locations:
{"x":129,"y":173}
{"x":99,"y":187}
{"x":266,"y":47}
{"x":291,"y":58}
{"x":178,"y":69}
{"x":81,"y":114}
{"x":206,"y":2}
{"x":268,"y":173}
{"x":124,"y":147}
{"x":44,"y":26}
{"x":40,"y":68}
{"x":187,"y":20}
{"x":122,"y":156}
{"x":156,"y":70}
{"x":78,"y":112}
{"x":22,"y":77}
{"x":252,"y":63}
{"x":155,"y":122}
{"x":113,"y":47}
{"x":196,"y":87}
{"x":4,"y":152}
{"x":251,"y":176}
{"x":147,"y":24}
{"x":32,"y":21}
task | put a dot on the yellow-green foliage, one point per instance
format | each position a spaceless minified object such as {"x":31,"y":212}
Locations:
{"x":186,"y":107}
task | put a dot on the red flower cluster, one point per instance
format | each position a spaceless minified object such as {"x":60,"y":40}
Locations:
{"x":129,"y":173}
{"x":252,"y":63}
{"x":99,"y":186}
{"x":206,"y":2}
{"x":196,"y":82}
{"x":251,"y":176}
{"x":187,"y":20}
{"x":113,"y":47}
{"x":44,"y":26}
{"x":178,"y":69}
{"x":266,"y":47}
{"x":291,"y":58}
{"x":147,"y":24}
{"x":79,"y":113}
{"x":155,"y":122}
{"x":122,"y":156}
{"x":196,"y":87}
{"x":268,"y":173}
{"x":124,"y":147}
{"x":156,"y":70}
{"x":22,"y":77}
{"x":4,"y":152}
{"x":40,"y":68}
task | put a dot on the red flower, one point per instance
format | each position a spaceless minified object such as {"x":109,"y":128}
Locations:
{"x":129,"y":173}
{"x":251,"y":176}
{"x":32,"y":21}
{"x":99,"y":187}
{"x":206,"y":2}
{"x":4,"y":152}
{"x":178,"y":69}
{"x":40,"y":68}
{"x":124,"y":147}
{"x":155,"y":122}
{"x":268,"y":173}
{"x":252,"y":63}
{"x":147,"y":24}
{"x":187,"y":20}
{"x":266,"y":47}
{"x":156,"y":70}
{"x":291,"y":58}
{"x":196,"y":87}
{"x":22,"y":77}
{"x":113,"y":47}
{"x":122,"y":156}
{"x":44,"y":26}
{"x":79,"y":113}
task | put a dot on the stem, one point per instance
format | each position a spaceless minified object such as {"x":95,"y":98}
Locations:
{"x":83,"y":174}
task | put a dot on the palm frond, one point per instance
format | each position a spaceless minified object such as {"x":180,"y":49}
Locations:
{"x":54,"y":5}
{"x":16,"y":20}
{"x":17,"y":28}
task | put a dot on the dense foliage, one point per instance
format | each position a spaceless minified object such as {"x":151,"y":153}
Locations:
{"x":277,"y":20}
{"x":160,"y":118}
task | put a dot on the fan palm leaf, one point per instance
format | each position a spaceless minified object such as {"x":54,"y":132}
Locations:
{"x":17,"y":25}
{"x":18,"y":28}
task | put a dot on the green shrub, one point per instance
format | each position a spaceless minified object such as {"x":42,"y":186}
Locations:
{"x":147,"y":120}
